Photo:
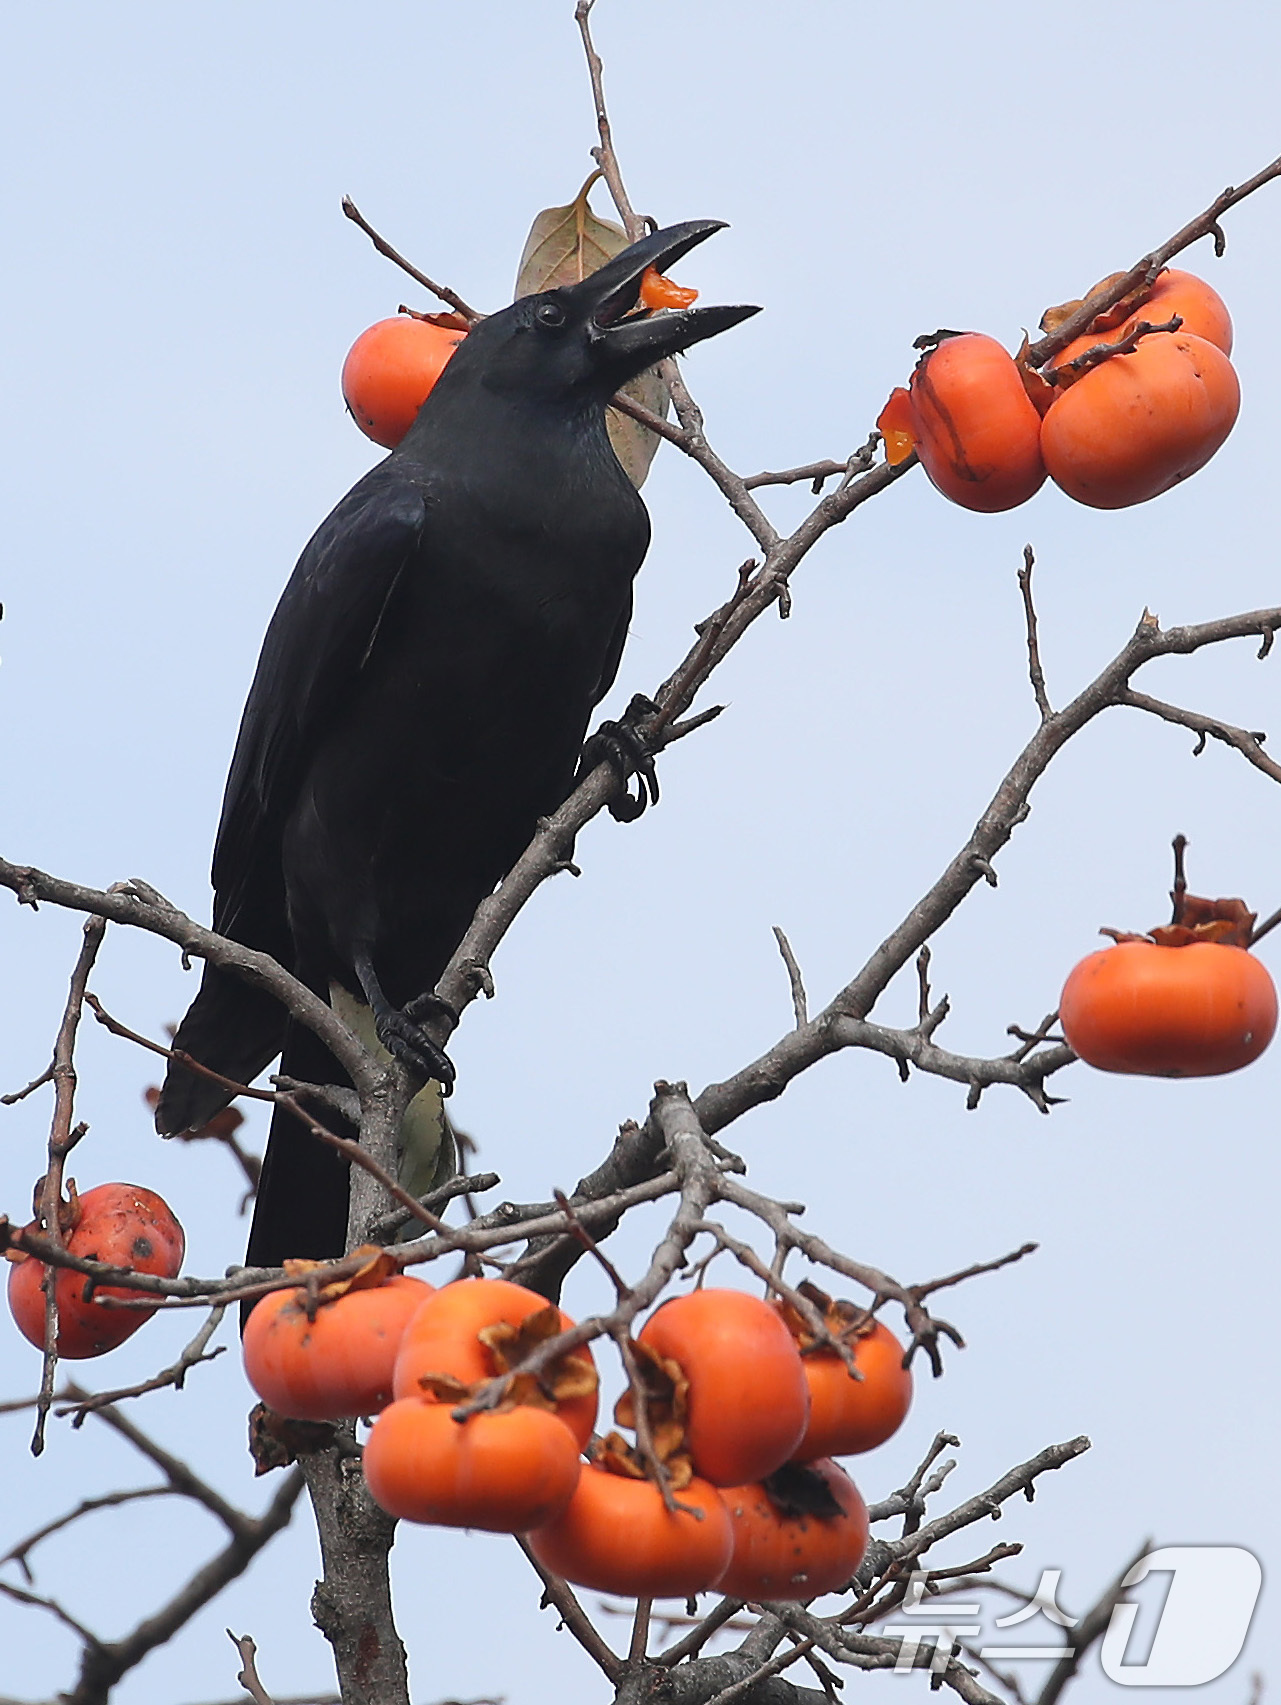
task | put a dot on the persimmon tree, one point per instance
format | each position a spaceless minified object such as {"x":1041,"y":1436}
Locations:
{"x":678,"y":1152}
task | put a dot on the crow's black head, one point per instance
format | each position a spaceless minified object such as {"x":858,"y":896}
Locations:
{"x":582,"y":341}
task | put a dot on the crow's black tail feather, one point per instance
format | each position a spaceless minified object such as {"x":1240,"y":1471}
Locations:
{"x":301,"y":1206}
{"x":231,"y":1027}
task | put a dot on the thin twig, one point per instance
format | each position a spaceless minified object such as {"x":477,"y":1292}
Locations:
{"x":1035,"y":672}
{"x":441,"y":291}
{"x":62,"y":1139}
{"x":247,"y":1675}
{"x":195,"y":1352}
{"x":560,"y":1596}
{"x":799,"y":1004}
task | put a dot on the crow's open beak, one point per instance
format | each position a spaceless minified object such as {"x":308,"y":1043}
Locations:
{"x":627,"y":342}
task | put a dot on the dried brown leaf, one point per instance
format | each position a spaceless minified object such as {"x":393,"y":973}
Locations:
{"x":275,"y":1441}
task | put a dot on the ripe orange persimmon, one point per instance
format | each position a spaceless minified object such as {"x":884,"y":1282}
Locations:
{"x":337,"y":1364}
{"x":617,"y":1536}
{"x":851,"y":1415}
{"x":748,"y":1398}
{"x":1202,"y":310}
{"x":389,"y":372}
{"x":800,"y":1534}
{"x":445,"y":1337}
{"x":505,"y":1471}
{"x":974,"y":426}
{"x":1139,"y":423}
{"x":1189,"y":1011}
{"x":124,"y":1225}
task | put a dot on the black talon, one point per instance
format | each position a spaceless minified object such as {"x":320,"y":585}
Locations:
{"x":625,"y":746}
{"x":400,"y":1029}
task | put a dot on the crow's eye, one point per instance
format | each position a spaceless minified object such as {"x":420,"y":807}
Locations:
{"x":550,"y":314}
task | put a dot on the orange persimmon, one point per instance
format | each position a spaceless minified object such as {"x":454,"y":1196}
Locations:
{"x":337,"y":1364}
{"x":748,"y":1400}
{"x":802,"y":1533}
{"x":617,"y":1536}
{"x":124,"y":1225}
{"x":504,"y":1471}
{"x":849,"y":1415}
{"x":389,"y":373}
{"x":973,"y":425}
{"x":1137,"y":424}
{"x":1194,"y":1010}
{"x":461,"y":1331}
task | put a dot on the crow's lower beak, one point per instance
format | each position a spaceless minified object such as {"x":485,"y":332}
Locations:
{"x":626,"y":342}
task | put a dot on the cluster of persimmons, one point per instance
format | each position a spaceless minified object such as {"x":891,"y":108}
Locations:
{"x":1143,"y":398}
{"x":745,"y":1408}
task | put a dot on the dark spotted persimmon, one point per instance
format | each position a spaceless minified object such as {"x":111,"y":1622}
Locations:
{"x":1138,"y":423}
{"x":973,"y":425}
{"x":124,"y":1225}
{"x":802,"y":1533}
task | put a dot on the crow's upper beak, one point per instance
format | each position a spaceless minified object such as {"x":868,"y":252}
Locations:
{"x":626,"y":342}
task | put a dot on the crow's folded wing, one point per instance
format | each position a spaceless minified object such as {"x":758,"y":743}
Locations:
{"x":319,"y":640}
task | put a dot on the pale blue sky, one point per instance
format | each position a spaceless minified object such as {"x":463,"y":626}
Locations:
{"x":180,"y":291}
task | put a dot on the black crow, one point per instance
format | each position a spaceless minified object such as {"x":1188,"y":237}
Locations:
{"x":421,"y":699}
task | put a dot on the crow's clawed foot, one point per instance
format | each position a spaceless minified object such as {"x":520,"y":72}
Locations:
{"x":624,"y":745}
{"x":401,"y":1033}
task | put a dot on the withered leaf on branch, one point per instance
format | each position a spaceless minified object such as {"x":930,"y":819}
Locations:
{"x":275,"y":1441}
{"x":564,"y":245}
{"x":842,"y":1319}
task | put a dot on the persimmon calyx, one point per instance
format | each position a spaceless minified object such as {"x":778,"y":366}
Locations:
{"x":377,"y":1266}
{"x":844,"y":1320}
{"x":571,"y":1374}
{"x":616,"y":1456}
{"x":1111,"y":317}
{"x":448,"y":321}
{"x":1230,"y":922}
{"x":665,"y":1388}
